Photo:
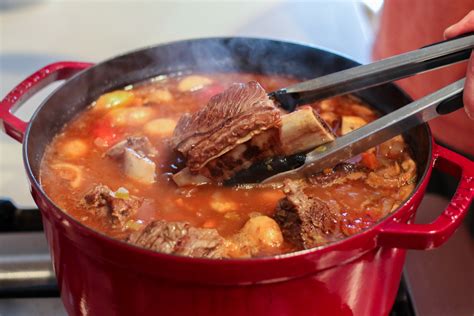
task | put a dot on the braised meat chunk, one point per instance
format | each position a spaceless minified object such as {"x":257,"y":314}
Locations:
{"x":229,"y":119}
{"x":102,"y":202}
{"x":179,"y":238}
{"x":239,"y":128}
{"x":305,"y":221}
{"x":299,"y":131}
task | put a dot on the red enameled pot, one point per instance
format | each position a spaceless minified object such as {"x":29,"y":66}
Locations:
{"x":98,"y":275}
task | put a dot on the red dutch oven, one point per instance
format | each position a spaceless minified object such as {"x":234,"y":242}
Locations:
{"x":98,"y":275}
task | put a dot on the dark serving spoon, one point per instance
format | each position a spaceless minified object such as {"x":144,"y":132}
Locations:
{"x":443,"y":101}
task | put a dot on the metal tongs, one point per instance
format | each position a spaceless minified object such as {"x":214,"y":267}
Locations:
{"x":443,"y":101}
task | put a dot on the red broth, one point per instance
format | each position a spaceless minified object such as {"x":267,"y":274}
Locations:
{"x":74,"y":162}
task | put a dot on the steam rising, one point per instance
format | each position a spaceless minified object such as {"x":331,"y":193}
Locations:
{"x":243,"y":55}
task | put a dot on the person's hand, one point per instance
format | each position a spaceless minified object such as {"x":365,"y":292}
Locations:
{"x":461,"y":27}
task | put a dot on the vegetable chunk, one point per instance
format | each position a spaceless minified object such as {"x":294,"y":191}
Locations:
{"x":138,"y":167}
{"x":159,"y":96}
{"x":133,"y":116}
{"x":193,"y":83}
{"x":260,"y":234}
{"x":74,"y":148}
{"x":115,"y":99}
{"x":350,"y":123}
{"x":162,"y":127}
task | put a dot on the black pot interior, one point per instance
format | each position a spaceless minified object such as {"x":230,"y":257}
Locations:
{"x":206,"y":55}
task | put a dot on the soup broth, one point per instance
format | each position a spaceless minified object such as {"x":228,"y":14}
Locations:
{"x":77,"y":161}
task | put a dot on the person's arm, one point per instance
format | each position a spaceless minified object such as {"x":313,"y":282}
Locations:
{"x":464,"y":26}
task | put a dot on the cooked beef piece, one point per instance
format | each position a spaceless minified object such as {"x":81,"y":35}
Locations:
{"x":339,"y":174}
{"x":134,"y":153}
{"x":179,"y":238}
{"x":229,"y":119}
{"x":102,"y":202}
{"x":140,"y":144}
{"x":305,"y":221}
{"x":299,"y":131}
{"x":243,"y":156}
{"x":241,"y":127}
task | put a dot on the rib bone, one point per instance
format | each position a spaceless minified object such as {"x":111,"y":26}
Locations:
{"x":300,"y":131}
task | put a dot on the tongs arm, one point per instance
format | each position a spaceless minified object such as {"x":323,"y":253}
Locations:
{"x":377,"y":73}
{"x":443,"y":101}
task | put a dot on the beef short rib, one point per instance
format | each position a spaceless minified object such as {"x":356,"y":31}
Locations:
{"x":229,"y":119}
{"x":101,"y":202}
{"x":239,"y":128}
{"x":179,"y":238}
{"x":305,"y":221}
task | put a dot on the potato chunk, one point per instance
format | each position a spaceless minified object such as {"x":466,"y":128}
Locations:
{"x":114,"y":99}
{"x":350,"y":123}
{"x":193,"y":83}
{"x":262,"y":232}
{"x":74,"y":148}
{"x":133,"y":116}
{"x":260,"y":235}
{"x":162,"y":127}
{"x":159,"y":96}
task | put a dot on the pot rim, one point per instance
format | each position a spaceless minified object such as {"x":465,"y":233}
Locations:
{"x":84,"y":229}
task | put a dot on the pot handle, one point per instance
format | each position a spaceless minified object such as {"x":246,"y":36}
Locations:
{"x":11,"y":124}
{"x":436,"y":233}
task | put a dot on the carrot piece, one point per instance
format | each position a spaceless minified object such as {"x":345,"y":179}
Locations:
{"x":369,"y":160}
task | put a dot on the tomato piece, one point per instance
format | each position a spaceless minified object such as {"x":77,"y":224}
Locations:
{"x":106,"y":135}
{"x":369,"y":160}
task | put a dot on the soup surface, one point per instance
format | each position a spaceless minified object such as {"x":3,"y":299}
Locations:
{"x":89,"y":170}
